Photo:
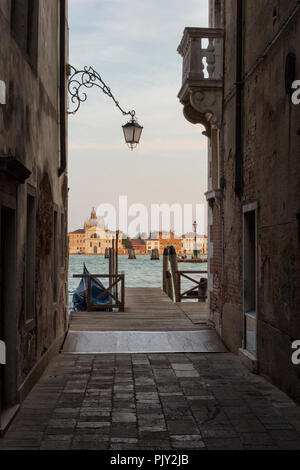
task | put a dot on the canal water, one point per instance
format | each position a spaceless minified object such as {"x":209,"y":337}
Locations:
{"x":139,"y":272}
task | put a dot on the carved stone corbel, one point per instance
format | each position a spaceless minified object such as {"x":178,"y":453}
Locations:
{"x":202,"y":76}
{"x":193,"y":116}
{"x":208,"y":102}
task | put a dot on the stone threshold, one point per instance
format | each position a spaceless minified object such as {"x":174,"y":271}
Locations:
{"x":107,"y":342}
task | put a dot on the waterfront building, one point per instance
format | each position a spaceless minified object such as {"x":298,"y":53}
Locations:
{"x":152,"y":243}
{"x":184,"y":245}
{"x":188,"y":244}
{"x":241,"y":95}
{"x":167,"y":239}
{"x":139,"y":246}
{"x":94,"y":238}
{"x":77,"y":242}
{"x":33,"y":193}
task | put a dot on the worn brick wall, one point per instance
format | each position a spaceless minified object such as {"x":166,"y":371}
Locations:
{"x":216,"y":260}
{"x":271,"y":175}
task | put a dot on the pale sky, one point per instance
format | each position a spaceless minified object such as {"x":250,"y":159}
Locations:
{"x":133,"y":45}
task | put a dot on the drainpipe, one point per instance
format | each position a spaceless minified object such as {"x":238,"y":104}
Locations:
{"x":239,"y":92}
{"x":62,"y":88}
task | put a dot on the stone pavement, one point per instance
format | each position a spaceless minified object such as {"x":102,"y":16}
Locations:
{"x":153,"y":401}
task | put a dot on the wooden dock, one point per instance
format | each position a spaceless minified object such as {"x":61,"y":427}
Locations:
{"x":151,"y":323}
{"x":147,"y":309}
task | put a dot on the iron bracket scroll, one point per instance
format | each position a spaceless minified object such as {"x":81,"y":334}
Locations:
{"x":88,"y":78}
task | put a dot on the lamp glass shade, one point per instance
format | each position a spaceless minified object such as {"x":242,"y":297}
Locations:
{"x":137,"y":133}
{"x":132,"y":133}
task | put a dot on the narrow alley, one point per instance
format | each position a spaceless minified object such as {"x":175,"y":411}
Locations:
{"x":149,"y":226}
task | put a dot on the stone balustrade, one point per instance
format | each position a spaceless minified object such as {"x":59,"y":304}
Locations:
{"x":202,"y":75}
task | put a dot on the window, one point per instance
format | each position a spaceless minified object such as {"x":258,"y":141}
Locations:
{"x":54,"y":260}
{"x":24,"y":25}
{"x":215,"y":159}
{"x":30,"y":258}
{"x":216,"y":13}
{"x":62,"y":238}
{"x":250,"y":276}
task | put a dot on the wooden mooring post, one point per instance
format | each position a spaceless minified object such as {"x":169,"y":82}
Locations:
{"x":169,"y":285}
{"x":154,"y":254}
{"x":165,"y":268}
{"x":166,"y":275}
{"x":131,"y":253}
{"x":113,"y":261}
{"x":117,"y":252}
{"x":174,"y":270}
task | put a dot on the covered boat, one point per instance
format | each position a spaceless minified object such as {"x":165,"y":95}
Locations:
{"x":80,"y":295}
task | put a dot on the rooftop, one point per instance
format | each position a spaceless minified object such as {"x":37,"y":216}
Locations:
{"x":80,"y":230}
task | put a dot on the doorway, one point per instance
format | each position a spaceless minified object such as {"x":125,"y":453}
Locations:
{"x":8,"y":321}
{"x":250,"y":277}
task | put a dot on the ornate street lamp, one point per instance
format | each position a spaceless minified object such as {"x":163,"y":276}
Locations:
{"x":89,"y":78}
{"x":132,"y":133}
{"x":195,"y":239}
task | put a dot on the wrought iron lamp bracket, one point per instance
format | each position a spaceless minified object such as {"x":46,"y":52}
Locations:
{"x":88,"y":78}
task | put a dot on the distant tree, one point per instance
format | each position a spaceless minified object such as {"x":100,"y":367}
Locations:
{"x":141,"y":236}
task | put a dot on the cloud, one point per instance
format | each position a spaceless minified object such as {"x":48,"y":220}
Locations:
{"x":133,"y":45}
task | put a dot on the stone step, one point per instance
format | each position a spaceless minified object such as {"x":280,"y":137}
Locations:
{"x":105,"y":342}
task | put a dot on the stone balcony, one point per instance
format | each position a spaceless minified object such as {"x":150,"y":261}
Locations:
{"x":202,"y":76}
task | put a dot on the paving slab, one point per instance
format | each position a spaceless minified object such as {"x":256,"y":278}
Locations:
{"x":234,"y":411}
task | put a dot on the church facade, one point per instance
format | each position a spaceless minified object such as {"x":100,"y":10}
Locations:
{"x":93,"y":239}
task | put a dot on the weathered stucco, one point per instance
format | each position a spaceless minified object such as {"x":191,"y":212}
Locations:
{"x":30,"y":132}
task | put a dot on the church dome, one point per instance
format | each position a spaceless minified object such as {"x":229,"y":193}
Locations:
{"x":95,"y":221}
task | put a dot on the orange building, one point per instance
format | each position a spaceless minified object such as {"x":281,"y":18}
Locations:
{"x":168,"y":239}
